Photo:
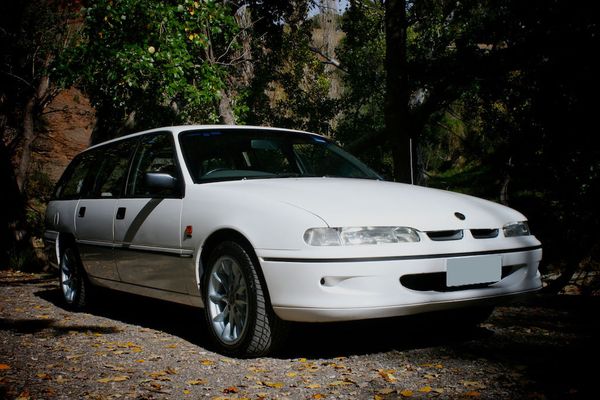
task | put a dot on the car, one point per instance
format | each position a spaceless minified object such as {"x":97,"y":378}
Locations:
{"x":262,"y":226}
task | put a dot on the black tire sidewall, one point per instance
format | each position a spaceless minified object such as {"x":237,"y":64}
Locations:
{"x":80,"y":298}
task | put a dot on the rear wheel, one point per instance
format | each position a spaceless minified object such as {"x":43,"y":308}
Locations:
{"x":237,"y":312}
{"x":74,"y":286}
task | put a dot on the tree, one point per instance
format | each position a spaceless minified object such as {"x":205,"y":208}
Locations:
{"x":291,"y":85}
{"x":32,"y":34}
{"x":398,"y":127}
{"x":146,"y":63}
{"x":538,"y":115}
{"x":430,"y":58}
{"x":362,"y":56}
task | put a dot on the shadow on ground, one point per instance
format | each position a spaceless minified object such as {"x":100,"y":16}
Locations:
{"x":549,"y":340}
{"x":321,"y":340}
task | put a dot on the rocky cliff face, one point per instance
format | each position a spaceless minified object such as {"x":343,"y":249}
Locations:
{"x":66,"y":130}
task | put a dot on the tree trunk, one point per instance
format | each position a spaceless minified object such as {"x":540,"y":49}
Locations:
{"x":28,"y":138}
{"x":29,"y":115}
{"x":225,"y":111}
{"x":14,"y":236}
{"x":397,"y":123}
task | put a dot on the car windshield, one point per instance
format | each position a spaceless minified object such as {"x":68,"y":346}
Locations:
{"x":230,"y":154}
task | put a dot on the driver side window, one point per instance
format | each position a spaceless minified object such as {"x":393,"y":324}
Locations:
{"x":156,"y":153}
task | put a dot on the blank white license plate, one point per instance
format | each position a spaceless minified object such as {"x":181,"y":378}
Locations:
{"x":473,"y":270}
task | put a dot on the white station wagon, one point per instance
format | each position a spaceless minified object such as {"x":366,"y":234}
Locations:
{"x":259,"y":226}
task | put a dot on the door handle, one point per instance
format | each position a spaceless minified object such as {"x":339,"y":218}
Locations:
{"x":81,"y":212}
{"x":121,"y":212}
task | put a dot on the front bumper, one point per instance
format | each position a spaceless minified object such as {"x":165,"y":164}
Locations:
{"x":333,"y":290}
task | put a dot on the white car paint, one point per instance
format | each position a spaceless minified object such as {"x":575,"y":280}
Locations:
{"x":328,"y":283}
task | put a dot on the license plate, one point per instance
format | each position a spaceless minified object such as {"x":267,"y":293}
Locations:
{"x":473,"y":270}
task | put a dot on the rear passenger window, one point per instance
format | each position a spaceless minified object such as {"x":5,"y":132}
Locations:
{"x":112,"y":168}
{"x":76,"y":178}
{"x":156,"y":153}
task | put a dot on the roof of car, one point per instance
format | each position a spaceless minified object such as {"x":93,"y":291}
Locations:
{"x":181,"y":128}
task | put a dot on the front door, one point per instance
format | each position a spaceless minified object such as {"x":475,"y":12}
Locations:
{"x":147,"y":224}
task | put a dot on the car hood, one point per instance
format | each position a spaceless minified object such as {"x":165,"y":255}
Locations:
{"x":356,"y":202}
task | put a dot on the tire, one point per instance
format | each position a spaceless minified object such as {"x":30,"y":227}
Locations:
{"x":74,"y":285}
{"x":236,"y":307}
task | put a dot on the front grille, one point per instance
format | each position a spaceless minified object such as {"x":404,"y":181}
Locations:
{"x":484,"y":233}
{"x":436,"y":281}
{"x":439,"y":236}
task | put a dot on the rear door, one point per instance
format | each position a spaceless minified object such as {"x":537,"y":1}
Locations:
{"x":96,"y":209}
{"x":147,"y":225}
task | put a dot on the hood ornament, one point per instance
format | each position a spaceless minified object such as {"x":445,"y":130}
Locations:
{"x":460,"y":216}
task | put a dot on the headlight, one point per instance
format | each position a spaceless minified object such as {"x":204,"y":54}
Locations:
{"x":360,"y":235}
{"x":516,"y":229}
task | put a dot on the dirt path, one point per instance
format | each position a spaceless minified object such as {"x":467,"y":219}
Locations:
{"x":131,"y":347}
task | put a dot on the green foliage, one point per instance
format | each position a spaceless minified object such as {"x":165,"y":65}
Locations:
{"x":290,"y":86}
{"x":362,"y":54}
{"x":31,"y":34}
{"x":528,"y":122}
{"x":165,"y":61}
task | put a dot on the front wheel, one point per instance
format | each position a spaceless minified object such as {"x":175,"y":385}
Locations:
{"x":74,"y":286}
{"x":237,"y":312}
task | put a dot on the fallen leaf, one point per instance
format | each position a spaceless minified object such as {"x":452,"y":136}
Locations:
{"x":140,"y":361}
{"x":24,"y":395}
{"x":275,"y":385}
{"x":231,"y":389}
{"x":4,"y":367}
{"x":438,"y":366}
{"x":171,"y":346}
{"x":313,"y":386}
{"x":340,"y":383}
{"x":425,"y":389}
{"x":196,"y":382}
{"x":302,"y":360}
{"x":257,"y":369}
{"x":186,"y":391}
{"x":473,"y":384}
{"x":318,"y":396}
{"x":44,"y":376}
{"x":387,"y":374}
{"x":406,"y":393}
{"x":207,"y":362}
{"x":119,"y":378}
{"x":114,"y":367}
{"x":473,"y":393}
{"x":291,"y":374}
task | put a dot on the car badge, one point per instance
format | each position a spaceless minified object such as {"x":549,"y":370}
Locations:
{"x":460,"y":216}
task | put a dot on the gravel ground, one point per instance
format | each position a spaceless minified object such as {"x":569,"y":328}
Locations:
{"x":132,"y":347}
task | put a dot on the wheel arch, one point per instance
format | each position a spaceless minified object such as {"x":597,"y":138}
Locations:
{"x":62,"y":241}
{"x":223,"y":235}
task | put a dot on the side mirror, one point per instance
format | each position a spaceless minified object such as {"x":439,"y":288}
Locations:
{"x":160,"y":180}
